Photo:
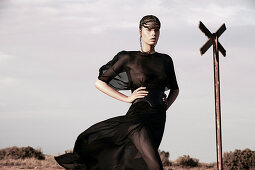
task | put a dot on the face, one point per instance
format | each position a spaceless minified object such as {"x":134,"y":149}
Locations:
{"x":150,"y":35}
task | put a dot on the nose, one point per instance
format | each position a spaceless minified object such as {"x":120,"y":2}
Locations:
{"x":153,"y":33}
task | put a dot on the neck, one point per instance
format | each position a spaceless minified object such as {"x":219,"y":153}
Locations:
{"x":148,"y":48}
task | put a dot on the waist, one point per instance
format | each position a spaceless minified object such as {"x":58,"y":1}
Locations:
{"x":154,"y":97}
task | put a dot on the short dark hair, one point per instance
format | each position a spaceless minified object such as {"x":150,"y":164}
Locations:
{"x":149,"y":18}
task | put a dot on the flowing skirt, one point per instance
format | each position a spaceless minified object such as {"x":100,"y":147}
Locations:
{"x":127,"y":142}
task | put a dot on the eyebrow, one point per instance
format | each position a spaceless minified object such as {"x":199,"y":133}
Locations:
{"x":152,"y":28}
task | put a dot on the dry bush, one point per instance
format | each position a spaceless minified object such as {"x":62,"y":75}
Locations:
{"x":164,"y":156}
{"x":239,"y":159}
{"x":187,"y":161}
{"x":21,"y":153}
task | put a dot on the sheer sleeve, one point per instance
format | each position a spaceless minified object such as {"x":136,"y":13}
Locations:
{"x":171,"y":77}
{"x":114,"y":72}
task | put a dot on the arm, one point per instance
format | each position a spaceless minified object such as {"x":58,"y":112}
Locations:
{"x":171,"y":97}
{"x":105,"y":88}
{"x":171,"y":84}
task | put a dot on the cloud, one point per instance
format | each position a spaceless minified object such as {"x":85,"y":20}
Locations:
{"x":97,"y":17}
{"x":71,"y":16}
{"x":234,"y":15}
{"x":58,"y":46}
{"x":6,"y":81}
{"x":4,"y":56}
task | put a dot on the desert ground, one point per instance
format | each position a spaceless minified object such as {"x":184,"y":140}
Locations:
{"x":26,"y":158}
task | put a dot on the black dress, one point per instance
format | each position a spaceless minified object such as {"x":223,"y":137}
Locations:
{"x":130,"y":141}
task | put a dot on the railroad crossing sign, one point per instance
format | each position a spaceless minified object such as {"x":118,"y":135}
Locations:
{"x":213,"y":40}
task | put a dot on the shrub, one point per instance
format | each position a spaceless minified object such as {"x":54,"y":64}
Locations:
{"x":239,"y":159}
{"x":21,"y":153}
{"x":187,"y":161}
{"x":164,"y":156}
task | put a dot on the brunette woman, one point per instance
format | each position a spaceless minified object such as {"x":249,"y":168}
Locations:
{"x":130,"y":141}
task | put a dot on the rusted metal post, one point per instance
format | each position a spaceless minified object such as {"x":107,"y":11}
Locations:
{"x":213,"y":40}
{"x":217,"y":103}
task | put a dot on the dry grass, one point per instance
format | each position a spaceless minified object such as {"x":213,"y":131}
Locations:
{"x":50,"y":164}
{"x":201,"y":166}
{"x":29,"y":163}
{"x":26,"y":158}
{"x":14,"y":158}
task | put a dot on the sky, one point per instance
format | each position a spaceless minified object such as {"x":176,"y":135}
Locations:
{"x":51,"y":51}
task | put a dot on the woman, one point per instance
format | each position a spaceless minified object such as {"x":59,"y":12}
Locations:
{"x":130,"y":141}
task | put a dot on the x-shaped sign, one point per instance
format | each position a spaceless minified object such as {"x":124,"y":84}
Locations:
{"x":212,"y":38}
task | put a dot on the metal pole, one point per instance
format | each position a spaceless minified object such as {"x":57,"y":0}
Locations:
{"x":217,"y":104}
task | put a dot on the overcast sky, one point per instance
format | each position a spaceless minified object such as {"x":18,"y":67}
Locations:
{"x":50,"y":53}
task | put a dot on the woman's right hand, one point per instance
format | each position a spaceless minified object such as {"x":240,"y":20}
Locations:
{"x":137,"y":93}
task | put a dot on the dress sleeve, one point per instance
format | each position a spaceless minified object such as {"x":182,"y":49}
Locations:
{"x":114,"y":73}
{"x":171,"y":77}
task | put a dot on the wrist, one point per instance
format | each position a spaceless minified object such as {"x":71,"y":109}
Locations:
{"x":125,"y":99}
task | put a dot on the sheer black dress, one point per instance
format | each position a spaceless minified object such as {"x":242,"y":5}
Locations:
{"x":130,"y":141}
